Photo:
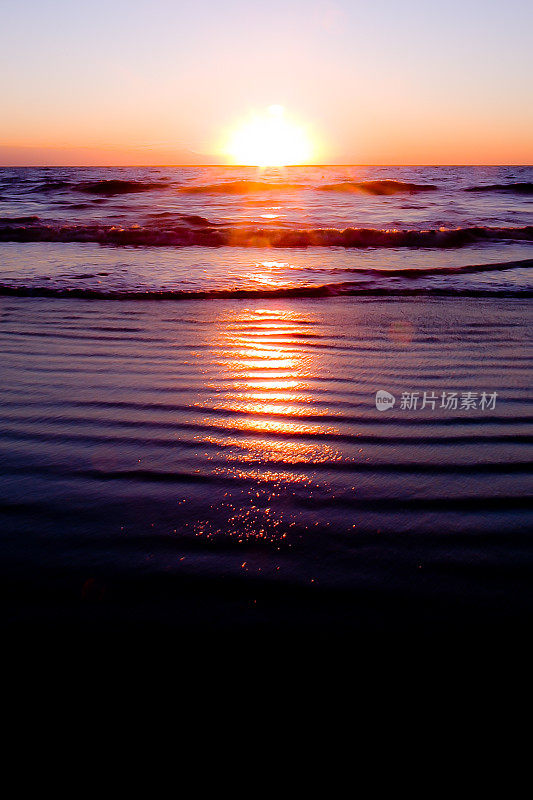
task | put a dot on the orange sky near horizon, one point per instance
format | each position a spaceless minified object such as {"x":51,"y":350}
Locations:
{"x":163,"y":82}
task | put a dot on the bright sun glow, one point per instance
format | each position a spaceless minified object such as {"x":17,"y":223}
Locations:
{"x":270,"y":140}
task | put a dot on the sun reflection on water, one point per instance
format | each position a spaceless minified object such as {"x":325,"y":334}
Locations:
{"x":267,"y":371}
{"x":264,"y":393}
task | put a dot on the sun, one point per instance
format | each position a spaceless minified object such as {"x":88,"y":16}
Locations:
{"x":270,"y":140}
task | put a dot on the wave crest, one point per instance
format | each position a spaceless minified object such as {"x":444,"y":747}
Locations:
{"x":112,"y":187}
{"x":513,"y":188}
{"x":378,"y":187}
{"x":242,"y":187}
{"x":191,"y":230}
{"x":384,"y":187}
{"x":346,"y":289}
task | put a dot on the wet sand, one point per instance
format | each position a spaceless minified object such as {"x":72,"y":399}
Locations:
{"x":221,"y":466}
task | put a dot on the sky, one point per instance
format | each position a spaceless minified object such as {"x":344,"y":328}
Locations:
{"x":166,"y":81}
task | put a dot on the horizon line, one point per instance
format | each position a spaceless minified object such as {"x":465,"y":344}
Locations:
{"x":247,"y":166}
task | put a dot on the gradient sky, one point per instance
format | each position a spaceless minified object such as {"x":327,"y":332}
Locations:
{"x":162,"y":81}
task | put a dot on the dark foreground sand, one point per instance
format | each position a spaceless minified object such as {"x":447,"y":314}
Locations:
{"x":220,"y":466}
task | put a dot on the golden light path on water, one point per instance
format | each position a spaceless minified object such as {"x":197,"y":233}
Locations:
{"x":265,"y":360}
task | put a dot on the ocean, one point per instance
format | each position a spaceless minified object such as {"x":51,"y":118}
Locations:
{"x":191,"y":435}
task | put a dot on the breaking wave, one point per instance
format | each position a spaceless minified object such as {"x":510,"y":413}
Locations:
{"x":345,"y":289}
{"x":242,"y":187}
{"x":369,"y":282}
{"x":379,"y":187}
{"x":420,"y":272}
{"x":112,"y":187}
{"x":383,"y":187}
{"x":189,"y":230}
{"x":513,"y":188}
{"x":105,"y":188}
